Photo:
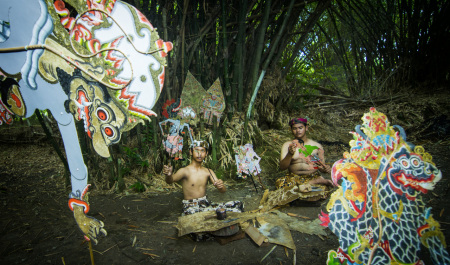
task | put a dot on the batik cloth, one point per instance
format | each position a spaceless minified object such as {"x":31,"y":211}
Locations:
{"x":203,"y":204}
{"x":292,"y":179}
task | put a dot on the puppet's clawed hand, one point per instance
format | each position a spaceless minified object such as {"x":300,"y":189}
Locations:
{"x":90,"y":226}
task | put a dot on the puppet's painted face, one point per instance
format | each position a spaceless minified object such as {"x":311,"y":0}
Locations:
{"x":409,"y":174}
{"x":103,"y":117}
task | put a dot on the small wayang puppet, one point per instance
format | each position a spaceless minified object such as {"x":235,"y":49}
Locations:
{"x":103,"y":65}
{"x":247,"y":162}
{"x":192,"y":99}
{"x":208,"y":103}
{"x":378,"y":212}
{"x":213,"y":103}
{"x":178,"y":122}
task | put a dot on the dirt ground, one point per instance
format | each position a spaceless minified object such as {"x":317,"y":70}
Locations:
{"x":38,"y":228}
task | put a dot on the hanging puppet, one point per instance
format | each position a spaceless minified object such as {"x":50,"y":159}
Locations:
{"x":191,"y":98}
{"x":177,"y":121}
{"x":378,"y":212}
{"x":182,"y":114}
{"x":247,"y":161}
{"x":104,"y":65}
{"x":213,"y":103}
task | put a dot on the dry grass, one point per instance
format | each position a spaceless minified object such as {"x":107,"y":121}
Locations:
{"x":416,"y":115}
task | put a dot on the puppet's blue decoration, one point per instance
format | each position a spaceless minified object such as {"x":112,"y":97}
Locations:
{"x":247,"y":161}
{"x":104,"y":67}
{"x":378,"y":212}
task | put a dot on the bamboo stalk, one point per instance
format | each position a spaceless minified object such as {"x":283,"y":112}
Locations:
{"x":166,"y":37}
{"x":239,"y":55}
{"x":183,"y":41}
{"x":228,"y":99}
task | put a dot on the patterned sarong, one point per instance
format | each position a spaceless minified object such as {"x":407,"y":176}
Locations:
{"x":292,"y":179}
{"x":288,"y":190}
{"x":203,"y":204}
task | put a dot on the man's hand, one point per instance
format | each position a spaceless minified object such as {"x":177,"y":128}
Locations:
{"x":167,"y":170}
{"x":293,"y":147}
{"x":323,"y":167}
{"x":219,"y":184}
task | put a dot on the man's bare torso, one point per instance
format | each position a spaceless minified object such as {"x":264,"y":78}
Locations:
{"x":300,"y":164}
{"x":194,"y":182}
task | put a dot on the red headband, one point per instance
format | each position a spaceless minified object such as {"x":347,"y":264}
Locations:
{"x":298,"y":120}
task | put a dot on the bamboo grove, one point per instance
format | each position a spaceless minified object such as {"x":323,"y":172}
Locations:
{"x":303,"y":51}
{"x":351,"y":48}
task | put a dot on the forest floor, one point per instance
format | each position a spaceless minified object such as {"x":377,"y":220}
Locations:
{"x":36,"y":226}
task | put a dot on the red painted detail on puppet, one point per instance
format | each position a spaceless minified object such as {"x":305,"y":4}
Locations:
{"x":80,"y":201}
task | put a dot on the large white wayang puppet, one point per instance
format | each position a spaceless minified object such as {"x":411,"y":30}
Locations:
{"x":100,"y":61}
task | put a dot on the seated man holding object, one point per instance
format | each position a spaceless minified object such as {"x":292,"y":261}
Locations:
{"x":304,"y":158}
{"x":194,"y":179}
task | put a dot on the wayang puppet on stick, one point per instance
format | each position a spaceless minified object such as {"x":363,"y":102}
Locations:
{"x":102,"y":62}
{"x":378,"y":212}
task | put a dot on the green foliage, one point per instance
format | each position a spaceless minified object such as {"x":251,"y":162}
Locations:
{"x":220,"y":172}
{"x":125,"y":170}
{"x":137,"y":187}
{"x":149,"y":136}
{"x":132,"y":159}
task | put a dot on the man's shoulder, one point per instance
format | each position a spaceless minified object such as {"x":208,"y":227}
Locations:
{"x":287,"y":143}
{"x":207,"y":169}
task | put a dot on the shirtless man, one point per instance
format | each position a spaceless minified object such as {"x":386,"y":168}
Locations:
{"x":303,"y":158}
{"x":194,"y":179}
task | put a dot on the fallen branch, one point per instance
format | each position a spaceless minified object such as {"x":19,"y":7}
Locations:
{"x":101,"y":253}
{"x":268,"y":253}
{"x":150,"y":254}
